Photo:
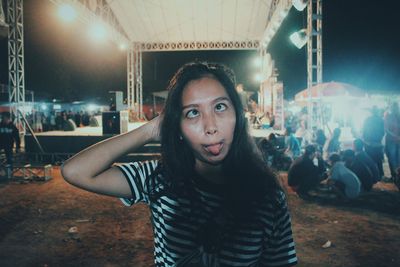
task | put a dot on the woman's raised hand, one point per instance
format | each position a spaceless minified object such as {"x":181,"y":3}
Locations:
{"x":154,"y":127}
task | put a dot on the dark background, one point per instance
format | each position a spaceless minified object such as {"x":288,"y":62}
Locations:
{"x":360,"y":46}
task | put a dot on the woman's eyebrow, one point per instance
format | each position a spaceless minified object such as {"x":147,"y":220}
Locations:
{"x":221,"y":98}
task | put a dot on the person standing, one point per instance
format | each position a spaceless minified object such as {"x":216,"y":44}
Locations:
{"x":392,"y":138}
{"x":8,"y":135}
{"x":212,"y":199}
{"x":372,"y":133}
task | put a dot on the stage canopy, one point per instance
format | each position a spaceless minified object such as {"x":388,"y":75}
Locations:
{"x":243,"y":22}
{"x":330,"y":89}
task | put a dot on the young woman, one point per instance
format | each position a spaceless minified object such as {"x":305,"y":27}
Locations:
{"x":212,"y":199}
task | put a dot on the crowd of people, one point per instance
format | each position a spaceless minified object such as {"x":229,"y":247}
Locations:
{"x":57,"y":120}
{"x":323,"y":164}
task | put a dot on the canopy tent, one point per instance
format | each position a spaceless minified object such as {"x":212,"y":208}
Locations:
{"x":192,"y":21}
{"x":330,"y":89}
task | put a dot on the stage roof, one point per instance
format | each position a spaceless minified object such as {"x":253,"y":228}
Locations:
{"x":200,"y":21}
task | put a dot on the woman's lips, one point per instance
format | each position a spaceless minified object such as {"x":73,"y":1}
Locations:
{"x":214,"y":149}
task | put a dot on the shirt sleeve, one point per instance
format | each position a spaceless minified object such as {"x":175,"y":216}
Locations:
{"x":137,"y":173}
{"x":279,"y":247}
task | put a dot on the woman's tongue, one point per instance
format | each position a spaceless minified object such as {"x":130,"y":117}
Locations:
{"x":214,"y":149}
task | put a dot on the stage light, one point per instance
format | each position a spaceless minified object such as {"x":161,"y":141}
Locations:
{"x":299,"y":4}
{"x":299,"y":38}
{"x":98,"y":31}
{"x":67,"y":13}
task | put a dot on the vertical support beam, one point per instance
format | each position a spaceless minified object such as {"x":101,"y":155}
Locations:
{"x":314,"y":54}
{"x":16,"y":61}
{"x":135,"y":88}
{"x":130,"y":85}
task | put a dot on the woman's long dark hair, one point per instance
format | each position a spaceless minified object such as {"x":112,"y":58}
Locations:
{"x":249,"y":180}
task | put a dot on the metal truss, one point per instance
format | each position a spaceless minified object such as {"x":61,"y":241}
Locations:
{"x":314,"y":44}
{"x":177,"y":46}
{"x":16,"y":61}
{"x":92,"y":10}
{"x":135,"y":88}
{"x":314,"y":58}
{"x":277,"y":13}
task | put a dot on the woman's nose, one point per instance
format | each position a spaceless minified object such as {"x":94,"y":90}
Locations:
{"x":210,"y":125}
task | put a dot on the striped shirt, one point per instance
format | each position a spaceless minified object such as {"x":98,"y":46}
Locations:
{"x":266,"y":241}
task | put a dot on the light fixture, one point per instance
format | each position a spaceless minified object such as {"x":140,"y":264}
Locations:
{"x":299,"y":38}
{"x":299,"y":4}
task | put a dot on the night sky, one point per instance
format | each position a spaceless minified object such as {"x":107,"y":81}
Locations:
{"x":360,"y":42}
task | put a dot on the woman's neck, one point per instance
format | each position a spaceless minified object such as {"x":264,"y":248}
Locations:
{"x":211,"y":173}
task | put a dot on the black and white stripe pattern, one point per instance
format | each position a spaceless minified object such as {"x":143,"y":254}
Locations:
{"x":266,"y":242}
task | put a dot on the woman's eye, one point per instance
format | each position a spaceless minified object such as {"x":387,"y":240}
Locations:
{"x":192,"y":113}
{"x":220,"y":107}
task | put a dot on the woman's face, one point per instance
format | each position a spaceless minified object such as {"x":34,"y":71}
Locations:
{"x":208,"y":120}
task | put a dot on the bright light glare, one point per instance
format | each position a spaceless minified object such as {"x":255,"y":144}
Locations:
{"x":43,"y":106}
{"x":91,"y":107}
{"x":122,"y":46}
{"x":299,"y":4}
{"x":258,"y":77}
{"x":98,"y":32}
{"x":257,"y":62}
{"x":299,"y":39}
{"x":67,"y":13}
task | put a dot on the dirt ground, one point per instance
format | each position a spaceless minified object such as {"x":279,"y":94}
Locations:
{"x":35,"y":219}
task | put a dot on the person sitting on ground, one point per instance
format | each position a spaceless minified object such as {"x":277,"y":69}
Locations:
{"x":213,"y":200}
{"x":269,"y":148}
{"x":362,"y":155}
{"x":345,"y":183}
{"x":360,"y":169}
{"x":303,"y":175}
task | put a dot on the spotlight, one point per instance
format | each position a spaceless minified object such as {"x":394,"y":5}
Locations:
{"x":98,"y":31}
{"x":299,"y":4}
{"x":67,"y":13}
{"x":299,"y":38}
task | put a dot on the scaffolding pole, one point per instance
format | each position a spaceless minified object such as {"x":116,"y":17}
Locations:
{"x":135,"y":86}
{"x":314,"y":55}
{"x":16,"y":70}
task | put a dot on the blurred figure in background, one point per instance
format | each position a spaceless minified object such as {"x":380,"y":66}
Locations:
{"x":345,"y":182}
{"x":304,"y":175}
{"x":362,"y":156}
{"x":333,"y":145}
{"x":362,"y":171}
{"x":392,"y":140}
{"x":372,"y":133}
{"x":9,"y":135}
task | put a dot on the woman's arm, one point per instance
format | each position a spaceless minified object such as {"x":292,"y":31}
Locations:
{"x":91,"y":168}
